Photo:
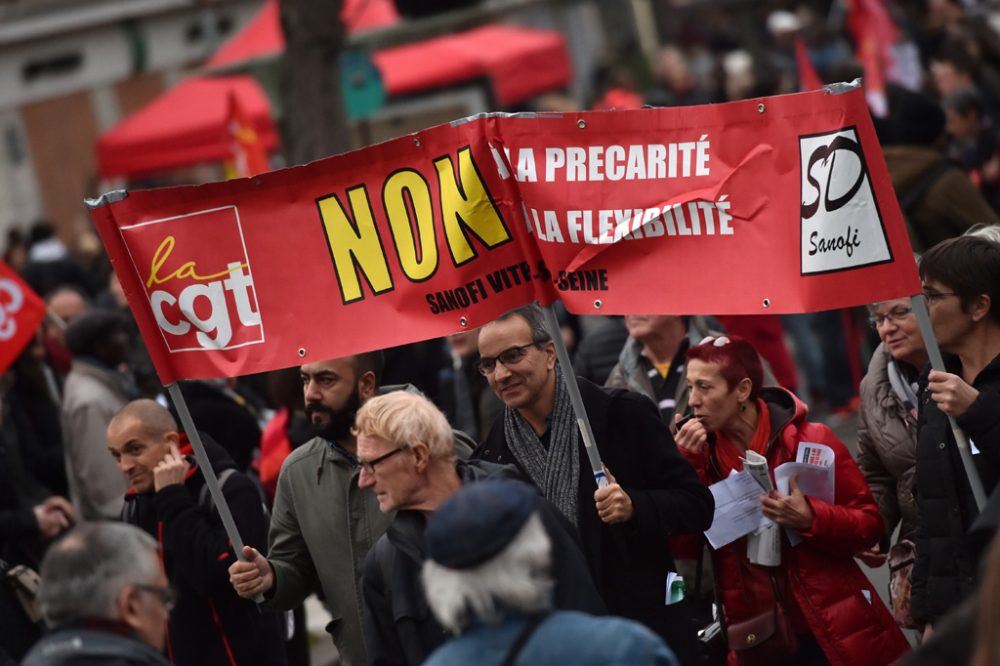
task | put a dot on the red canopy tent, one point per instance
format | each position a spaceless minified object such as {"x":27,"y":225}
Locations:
{"x":187,"y":124}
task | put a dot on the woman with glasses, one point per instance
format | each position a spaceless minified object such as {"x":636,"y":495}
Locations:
{"x":961,"y":283}
{"x":887,"y":441}
{"x":808,"y":603}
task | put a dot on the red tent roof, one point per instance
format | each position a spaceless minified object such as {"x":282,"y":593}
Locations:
{"x":262,"y":36}
{"x":184,"y":126}
{"x":187,"y":124}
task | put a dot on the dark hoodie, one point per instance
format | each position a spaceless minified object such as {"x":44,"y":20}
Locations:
{"x":210,"y":624}
{"x":399,"y":626}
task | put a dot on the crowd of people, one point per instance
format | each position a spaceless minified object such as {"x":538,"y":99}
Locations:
{"x":438,"y":497}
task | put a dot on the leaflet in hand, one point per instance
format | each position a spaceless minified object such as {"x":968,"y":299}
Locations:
{"x":737,"y":509}
{"x":814,"y":472}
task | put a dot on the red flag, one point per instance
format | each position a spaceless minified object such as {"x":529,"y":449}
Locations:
{"x":808,"y":78}
{"x":21,"y":311}
{"x":247,"y":157}
{"x":874,"y":34}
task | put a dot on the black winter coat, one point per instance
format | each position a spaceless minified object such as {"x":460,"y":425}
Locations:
{"x":630,"y":561}
{"x":77,"y":646}
{"x":398,"y":624}
{"x":210,"y":624}
{"x":944,"y":573}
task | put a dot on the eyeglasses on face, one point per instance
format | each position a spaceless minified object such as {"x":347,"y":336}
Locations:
{"x":716,"y":341}
{"x":896,"y":315}
{"x":934,"y":296}
{"x":166,"y":595}
{"x":509,"y":357}
{"x":369,"y":465}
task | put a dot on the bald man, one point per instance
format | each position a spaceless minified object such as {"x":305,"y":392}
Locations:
{"x":167,"y":498}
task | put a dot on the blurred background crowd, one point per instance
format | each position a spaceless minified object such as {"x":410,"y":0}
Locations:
{"x":69,"y":122}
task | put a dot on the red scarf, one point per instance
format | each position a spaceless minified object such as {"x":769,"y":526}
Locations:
{"x":729,"y":454}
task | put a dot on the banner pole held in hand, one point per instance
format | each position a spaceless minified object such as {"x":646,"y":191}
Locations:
{"x":211,"y":480}
{"x":574,"y":397}
{"x":937,"y":363}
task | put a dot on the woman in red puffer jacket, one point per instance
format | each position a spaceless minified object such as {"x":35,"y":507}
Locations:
{"x":815,"y":606}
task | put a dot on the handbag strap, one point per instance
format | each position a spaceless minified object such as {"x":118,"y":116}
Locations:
{"x":522,"y":638}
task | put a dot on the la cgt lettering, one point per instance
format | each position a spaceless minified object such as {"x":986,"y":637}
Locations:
{"x":198,"y":280}
{"x":356,"y":246}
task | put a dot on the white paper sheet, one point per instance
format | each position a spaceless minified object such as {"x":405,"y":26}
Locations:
{"x":814,"y":481}
{"x":737,"y":509}
{"x":815,"y":454}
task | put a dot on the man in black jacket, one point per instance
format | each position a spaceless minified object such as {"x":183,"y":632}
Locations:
{"x":406,"y":455}
{"x":961,"y":282}
{"x":168,"y":498}
{"x":653,"y":492}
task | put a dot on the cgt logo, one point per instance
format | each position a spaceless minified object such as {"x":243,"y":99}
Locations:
{"x":198,"y":279}
{"x":841,"y":222}
{"x":11,"y":300}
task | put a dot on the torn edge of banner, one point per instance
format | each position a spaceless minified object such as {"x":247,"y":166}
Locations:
{"x":842,"y":87}
{"x":106,"y":199}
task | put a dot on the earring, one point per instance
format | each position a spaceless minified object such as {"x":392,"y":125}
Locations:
{"x":743,"y":406}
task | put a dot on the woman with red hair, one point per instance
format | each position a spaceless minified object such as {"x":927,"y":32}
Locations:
{"x":816,"y":606}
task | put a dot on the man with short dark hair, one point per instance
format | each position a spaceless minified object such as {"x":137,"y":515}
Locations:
{"x":961,"y":282}
{"x":169,"y":500}
{"x":653,"y":491}
{"x":104,"y":594}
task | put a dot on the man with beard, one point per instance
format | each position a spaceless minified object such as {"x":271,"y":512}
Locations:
{"x":322,"y":524}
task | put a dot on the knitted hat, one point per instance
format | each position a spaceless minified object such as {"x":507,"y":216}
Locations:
{"x":478,"y":522}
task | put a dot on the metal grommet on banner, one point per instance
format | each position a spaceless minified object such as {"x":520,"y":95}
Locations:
{"x":760,"y":107}
{"x":766,"y":303}
{"x":302,"y":352}
{"x":463,"y":322}
{"x":598,"y":304}
{"x":581,"y":123}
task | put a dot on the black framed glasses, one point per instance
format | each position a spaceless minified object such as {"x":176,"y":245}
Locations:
{"x":369,"y":465}
{"x":934,"y":296}
{"x":896,"y":315}
{"x":509,"y":357}
{"x":166,"y":595}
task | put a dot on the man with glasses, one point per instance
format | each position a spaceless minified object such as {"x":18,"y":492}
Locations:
{"x":168,"y":499}
{"x":407,"y":459}
{"x":105,"y":597}
{"x":961,"y":282}
{"x":323,"y":524}
{"x":653,"y":493}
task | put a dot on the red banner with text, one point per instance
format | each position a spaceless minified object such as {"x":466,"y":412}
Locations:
{"x":772,"y":205}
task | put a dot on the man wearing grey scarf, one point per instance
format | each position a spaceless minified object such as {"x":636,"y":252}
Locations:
{"x":653,"y":492}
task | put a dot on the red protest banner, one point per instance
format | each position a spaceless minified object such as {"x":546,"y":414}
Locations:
{"x":774,"y":205}
{"x":21,"y":311}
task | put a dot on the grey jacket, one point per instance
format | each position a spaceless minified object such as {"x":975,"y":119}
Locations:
{"x":91,"y":396}
{"x":887,"y":448}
